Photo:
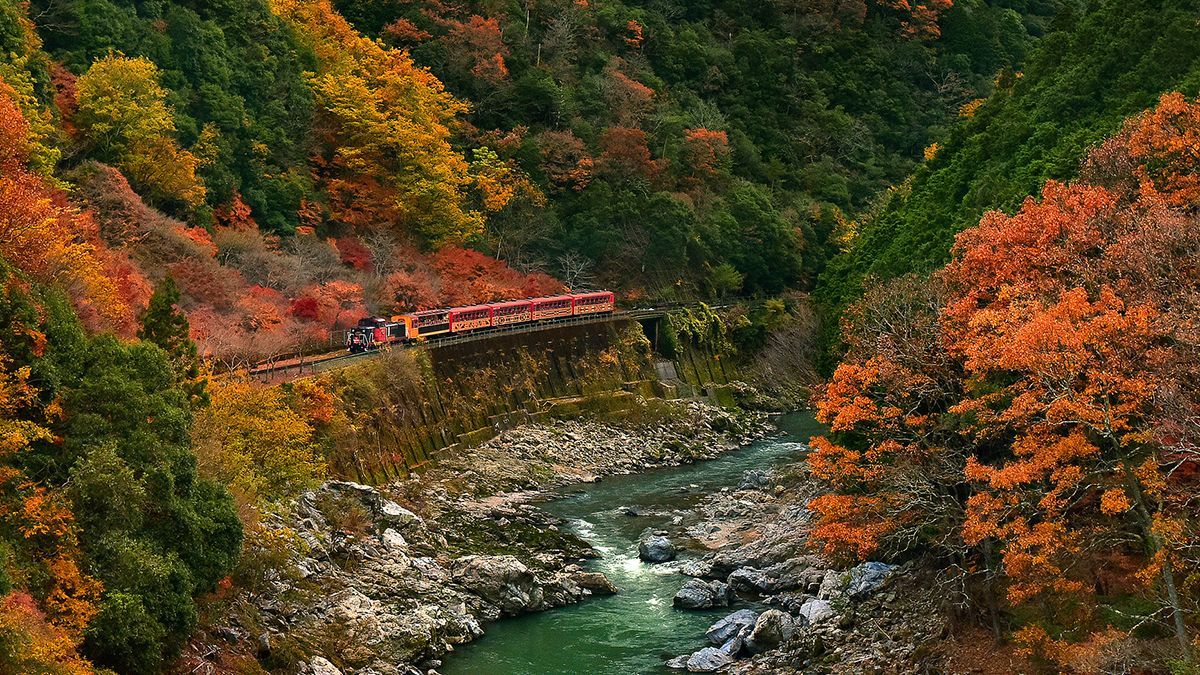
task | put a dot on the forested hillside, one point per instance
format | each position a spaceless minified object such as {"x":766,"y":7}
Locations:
{"x":251,"y":175}
{"x":701,"y":148}
{"x":1099,"y":65}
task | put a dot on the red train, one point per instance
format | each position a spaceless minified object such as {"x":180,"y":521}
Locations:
{"x":373,"y":332}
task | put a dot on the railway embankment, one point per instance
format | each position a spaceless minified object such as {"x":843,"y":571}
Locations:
{"x":407,"y":408}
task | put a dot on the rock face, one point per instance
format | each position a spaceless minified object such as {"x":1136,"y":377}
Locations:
{"x":700,"y":594}
{"x":656,"y":548}
{"x":771,"y":629}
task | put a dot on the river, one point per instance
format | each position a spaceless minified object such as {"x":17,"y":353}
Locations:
{"x":636,"y":630}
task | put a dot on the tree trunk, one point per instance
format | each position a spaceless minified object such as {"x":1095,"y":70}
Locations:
{"x":990,"y":592}
{"x":1168,"y":575}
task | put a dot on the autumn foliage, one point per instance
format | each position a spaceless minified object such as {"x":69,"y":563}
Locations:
{"x":48,"y":239}
{"x":1035,"y":408}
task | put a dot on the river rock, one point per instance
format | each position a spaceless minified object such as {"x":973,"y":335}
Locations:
{"x":816,"y":610}
{"x":391,"y":514}
{"x":656,"y":549}
{"x":771,"y":628}
{"x":595,"y":582}
{"x":700,"y":594}
{"x":754,"y":479}
{"x":863,"y":579}
{"x":679,"y":662}
{"x":731,"y":626}
{"x":501,"y":580}
{"x":708,"y":660}
{"x":751,"y":580}
{"x":695,"y":568}
{"x":393,"y":540}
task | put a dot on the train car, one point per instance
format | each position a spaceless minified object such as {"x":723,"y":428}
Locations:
{"x":466,"y":319}
{"x":601,"y":302}
{"x":508,"y":313}
{"x":553,"y":307}
{"x":431,"y":322}
{"x":374,"y":332}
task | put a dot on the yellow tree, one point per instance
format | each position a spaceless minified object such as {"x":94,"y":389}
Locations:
{"x":252,"y":439}
{"x":124,"y":115}
{"x":387,"y":123}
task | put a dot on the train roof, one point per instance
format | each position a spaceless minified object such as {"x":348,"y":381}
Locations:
{"x":510,"y":303}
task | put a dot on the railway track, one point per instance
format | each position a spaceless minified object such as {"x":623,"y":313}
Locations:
{"x":304,"y":366}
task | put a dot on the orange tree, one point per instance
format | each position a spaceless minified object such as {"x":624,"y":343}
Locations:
{"x":1051,"y":397}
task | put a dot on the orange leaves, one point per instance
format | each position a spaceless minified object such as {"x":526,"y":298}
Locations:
{"x":51,"y":242}
{"x":1008,"y":256}
{"x":628,"y":99}
{"x":35,"y":645}
{"x":636,"y":35}
{"x":1165,"y":143}
{"x":626,"y":152}
{"x":705,"y":150}
{"x":1114,"y":502}
{"x":1061,"y":360}
{"x":565,"y":159}
{"x":476,"y":45}
{"x":73,"y":597}
{"x":850,"y":525}
{"x":14,"y":131}
{"x":467,"y":276}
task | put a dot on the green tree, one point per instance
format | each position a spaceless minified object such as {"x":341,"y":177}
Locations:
{"x":165,"y":325}
{"x":156,"y":534}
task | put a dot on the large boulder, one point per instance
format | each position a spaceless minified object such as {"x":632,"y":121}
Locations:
{"x":656,"y":549}
{"x":701,"y":594}
{"x":708,"y":660}
{"x":771,"y":628}
{"x":737,"y":623}
{"x":595,"y":582}
{"x":816,"y":610}
{"x":501,"y":580}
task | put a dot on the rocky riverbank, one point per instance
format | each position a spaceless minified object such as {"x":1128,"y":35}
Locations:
{"x":810,"y":615}
{"x":350,"y":578}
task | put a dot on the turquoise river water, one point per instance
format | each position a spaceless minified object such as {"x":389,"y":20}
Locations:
{"x":636,"y":630}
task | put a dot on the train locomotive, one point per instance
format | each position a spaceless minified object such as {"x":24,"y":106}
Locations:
{"x":375,"y":332}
